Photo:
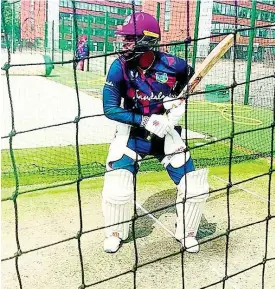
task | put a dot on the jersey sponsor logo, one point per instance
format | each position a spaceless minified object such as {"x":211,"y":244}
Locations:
{"x":140,"y":95}
{"x":161,"y":77}
{"x":155,"y":122}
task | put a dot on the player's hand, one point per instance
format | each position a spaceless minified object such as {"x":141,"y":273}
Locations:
{"x":175,"y":108}
{"x":176,"y":113}
{"x":156,"y":124}
{"x":170,"y":102}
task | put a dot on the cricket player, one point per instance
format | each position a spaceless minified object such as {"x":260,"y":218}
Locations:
{"x":140,"y":93}
{"x":82,"y":51}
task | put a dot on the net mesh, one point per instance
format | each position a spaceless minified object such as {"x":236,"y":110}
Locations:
{"x":230,"y":117}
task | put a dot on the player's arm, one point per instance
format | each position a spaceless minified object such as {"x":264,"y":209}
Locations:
{"x":112,"y":98}
{"x":157,"y":124}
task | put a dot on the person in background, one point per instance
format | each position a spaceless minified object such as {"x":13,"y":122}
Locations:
{"x":82,"y":51}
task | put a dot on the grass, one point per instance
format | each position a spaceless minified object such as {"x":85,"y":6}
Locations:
{"x":55,"y":164}
{"x":146,"y":179}
{"x":41,"y":167}
{"x":52,"y":164}
{"x":214,"y":119}
{"x":88,"y":82}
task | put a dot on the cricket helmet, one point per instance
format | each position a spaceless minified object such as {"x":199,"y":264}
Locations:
{"x":142,"y":31}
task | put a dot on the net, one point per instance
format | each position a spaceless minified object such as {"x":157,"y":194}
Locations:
{"x":230,"y":117}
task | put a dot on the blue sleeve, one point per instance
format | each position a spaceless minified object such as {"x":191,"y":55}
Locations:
{"x":112,"y":94}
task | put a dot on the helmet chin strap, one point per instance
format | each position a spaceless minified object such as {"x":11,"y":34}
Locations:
{"x":146,"y":60}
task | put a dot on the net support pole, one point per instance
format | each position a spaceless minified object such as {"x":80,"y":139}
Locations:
{"x":74,"y":44}
{"x":158,"y":11}
{"x":12,"y":28}
{"x":89,"y":32}
{"x":250,"y":51}
{"x":196,"y":33}
{"x":106,"y":41}
{"x":53,"y":41}
{"x":45,"y":37}
{"x":63,"y":39}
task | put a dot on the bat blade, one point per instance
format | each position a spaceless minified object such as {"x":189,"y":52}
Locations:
{"x":215,"y":55}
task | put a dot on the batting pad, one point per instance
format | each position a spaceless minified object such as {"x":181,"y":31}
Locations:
{"x":197,"y":192}
{"x":118,"y":187}
{"x":115,"y":214}
{"x":192,"y":217}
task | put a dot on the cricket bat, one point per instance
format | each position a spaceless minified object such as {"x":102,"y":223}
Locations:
{"x":208,"y":63}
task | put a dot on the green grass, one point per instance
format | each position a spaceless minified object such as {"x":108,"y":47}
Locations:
{"x":146,"y":179}
{"x":214,"y":119}
{"x":45,"y":166}
{"x":52,"y":164}
{"x":88,"y":82}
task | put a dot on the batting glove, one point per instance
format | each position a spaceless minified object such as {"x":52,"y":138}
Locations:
{"x":156,"y":124}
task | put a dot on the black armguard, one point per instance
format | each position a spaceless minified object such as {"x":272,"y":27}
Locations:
{"x":182,"y":80}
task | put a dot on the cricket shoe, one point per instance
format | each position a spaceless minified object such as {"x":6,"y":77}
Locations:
{"x":112,"y":244}
{"x":191,"y":244}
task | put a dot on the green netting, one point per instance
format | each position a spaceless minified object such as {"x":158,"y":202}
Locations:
{"x":238,"y":129}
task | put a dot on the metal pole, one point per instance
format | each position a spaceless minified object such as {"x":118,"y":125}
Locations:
{"x":158,"y":19}
{"x":62,"y":37}
{"x":250,"y":50}
{"x":72,"y":31}
{"x":46,"y":37}
{"x":158,"y":11}
{"x":12,"y":28}
{"x":53,"y":41}
{"x":89,"y":41}
{"x":106,"y":41}
{"x":196,"y":33}
{"x":46,"y":43}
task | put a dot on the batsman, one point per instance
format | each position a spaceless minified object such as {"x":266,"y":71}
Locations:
{"x":140,"y":94}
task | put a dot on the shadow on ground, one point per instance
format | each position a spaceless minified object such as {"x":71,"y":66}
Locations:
{"x":144,"y":225}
